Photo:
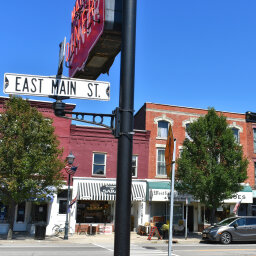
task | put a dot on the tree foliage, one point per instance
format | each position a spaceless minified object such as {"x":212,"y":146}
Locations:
{"x":30,"y":158}
{"x":212,"y":166}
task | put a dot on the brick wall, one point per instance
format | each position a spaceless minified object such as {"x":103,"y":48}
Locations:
{"x":85,"y":140}
{"x":178,"y":117}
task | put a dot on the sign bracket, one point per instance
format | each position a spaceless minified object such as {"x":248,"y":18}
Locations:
{"x":114,"y":118}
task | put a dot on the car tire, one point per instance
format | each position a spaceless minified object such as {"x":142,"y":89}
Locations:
{"x":225,"y":238}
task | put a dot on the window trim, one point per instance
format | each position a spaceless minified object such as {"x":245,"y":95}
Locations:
{"x":254,"y":140}
{"x":238,"y":134}
{"x":168,"y":125}
{"x":58,"y":201}
{"x":136,"y":167}
{"x":165,"y":119}
{"x":158,"y":175}
{"x":254,"y":173}
{"x":239,"y":128}
{"x":105,"y":163}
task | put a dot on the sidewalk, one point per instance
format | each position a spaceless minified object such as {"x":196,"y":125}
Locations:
{"x":22,"y":237}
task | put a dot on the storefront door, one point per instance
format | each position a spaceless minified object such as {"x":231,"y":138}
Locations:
{"x":20,"y":223}
{"x":190,"y":217}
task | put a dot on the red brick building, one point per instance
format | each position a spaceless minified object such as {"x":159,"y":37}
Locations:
{"x":95,"y":151}
{"x":156,"y":119}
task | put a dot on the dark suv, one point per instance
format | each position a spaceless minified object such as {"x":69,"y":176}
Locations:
{"x":241,"y":228}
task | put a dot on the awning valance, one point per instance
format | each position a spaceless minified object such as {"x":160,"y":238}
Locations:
{"x":106,"y":190}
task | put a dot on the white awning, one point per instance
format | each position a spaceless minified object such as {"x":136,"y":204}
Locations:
{"x":106,"y":190}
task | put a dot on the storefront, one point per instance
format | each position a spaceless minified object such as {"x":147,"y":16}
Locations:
{"x":27,"y":215}
{"x":244,"y":198}
{"x":95,"y":205}
{"x":158,"y":203}
{"x":246,"y":207}
{"x":254,"y":203}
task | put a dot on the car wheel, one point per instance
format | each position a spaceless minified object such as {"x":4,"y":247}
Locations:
{"x":225,"y":238}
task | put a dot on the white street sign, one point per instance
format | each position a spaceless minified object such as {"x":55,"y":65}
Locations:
{"x":51,"y":86}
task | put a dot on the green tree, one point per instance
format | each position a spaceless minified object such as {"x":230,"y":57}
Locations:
{"x":212,"y":166}
{"x":30,"y":157}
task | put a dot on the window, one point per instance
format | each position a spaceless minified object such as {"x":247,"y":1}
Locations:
{"x":62,"y":206}
{"x":134,"y":166}
{"x":255,"y":173}
{"x":240,"y":222}
{"x":99,"y":164}
{"x":21,"y":212}
{"x":3,"y":213}
{"x":62,"y":200}
{"x":186,"y":133}
{"x":250,"y":221}
{"x":162,"y":131}
{"x":254,"y":139}
{"x":236,"y":134}
{"x":161,"y":170}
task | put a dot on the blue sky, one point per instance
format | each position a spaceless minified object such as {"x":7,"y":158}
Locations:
{"x":194,"y":53}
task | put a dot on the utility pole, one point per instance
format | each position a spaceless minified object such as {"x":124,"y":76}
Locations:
{"x":125,"y":141}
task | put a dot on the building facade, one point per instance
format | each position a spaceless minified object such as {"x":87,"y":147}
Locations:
{"x":93,"y":187}
{"x":156,"y":118}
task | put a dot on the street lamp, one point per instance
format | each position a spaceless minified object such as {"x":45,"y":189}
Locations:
{"x":71,"y":171}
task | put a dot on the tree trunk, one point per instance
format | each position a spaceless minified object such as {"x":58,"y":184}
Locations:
{"x":212,"y":218}
{"x":11,"y":216}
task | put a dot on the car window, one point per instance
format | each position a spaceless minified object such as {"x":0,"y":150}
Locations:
{"x":226,"y":221}
{"x":251,"y":221}
{"x":240,"y":222}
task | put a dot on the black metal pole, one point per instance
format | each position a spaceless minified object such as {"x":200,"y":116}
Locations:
{"x":126,"y":104}
{"x":67,"y":210}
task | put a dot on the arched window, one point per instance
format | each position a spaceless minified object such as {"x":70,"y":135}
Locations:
{"x":162,"y":129}
{"x":236,"y":134}
{"x":186,"y":131}
{"x":254,"y":139}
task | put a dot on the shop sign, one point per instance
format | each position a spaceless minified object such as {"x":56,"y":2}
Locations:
{"x":160,"y":194}
{"x":244,"y":197}
{"x":108,"y":189}
{"x":87,"y":25}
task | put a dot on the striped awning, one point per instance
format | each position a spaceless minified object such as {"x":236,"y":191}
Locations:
{"x":106,"y":191}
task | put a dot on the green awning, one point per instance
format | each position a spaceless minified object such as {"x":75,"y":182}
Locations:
{"x":246,"y":189}
{"x":254,"y":193}
{"x":159,"y":185}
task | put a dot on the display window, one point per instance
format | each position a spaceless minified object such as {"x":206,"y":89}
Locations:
{"x":3,"y":213}
{"x":93,"y":212}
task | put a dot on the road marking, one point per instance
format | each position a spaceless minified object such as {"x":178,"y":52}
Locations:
{"x":103,"y":247}
{"x":220,"y":250}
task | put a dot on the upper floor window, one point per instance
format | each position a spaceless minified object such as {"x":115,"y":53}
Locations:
{"x":236,"y":134}
{"x":254,"y":173}
{"x":134,"y":166}
{"x":161,"y":169}
{"x":254,"y":139}
{"x":99,"y":164}
{"x":162,"y":131}
{"x":186,"y":131}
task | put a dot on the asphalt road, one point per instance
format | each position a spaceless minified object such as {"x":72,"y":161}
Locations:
{"x":136,"y":250}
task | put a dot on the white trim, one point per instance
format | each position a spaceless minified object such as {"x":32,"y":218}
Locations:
{"x":234,"y":125}
{"x":157,"y":174}
{"x":188,"y":121}
{"x":160,"y":145}
{"x":194,"y":114}
{"x":105,"y":163}
{"x":136,"y":166}
{"x":163,"y":117}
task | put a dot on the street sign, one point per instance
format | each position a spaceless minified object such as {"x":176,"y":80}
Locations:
{"x":46,"y":86}
{"x":169,"y":150}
